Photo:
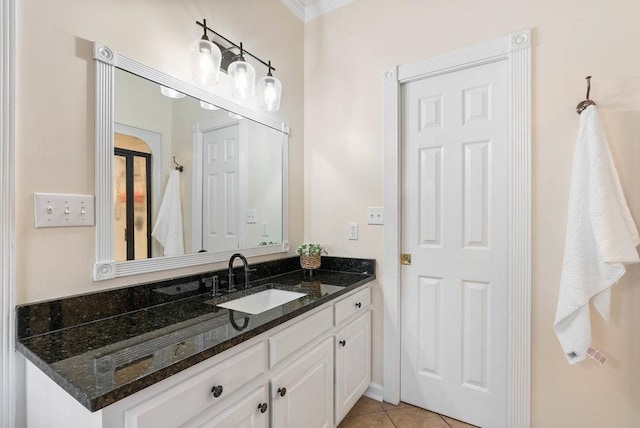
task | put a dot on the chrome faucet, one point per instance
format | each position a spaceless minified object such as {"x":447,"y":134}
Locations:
{"x":247,"y":271}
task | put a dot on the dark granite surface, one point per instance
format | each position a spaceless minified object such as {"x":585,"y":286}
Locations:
{"x":102,"y":347}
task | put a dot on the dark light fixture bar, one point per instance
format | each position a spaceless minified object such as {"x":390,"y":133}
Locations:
{"x":233,"y":45}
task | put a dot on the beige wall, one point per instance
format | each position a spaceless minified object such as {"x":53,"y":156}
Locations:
{"x":345,"y":54}
{"x":55,"y":111}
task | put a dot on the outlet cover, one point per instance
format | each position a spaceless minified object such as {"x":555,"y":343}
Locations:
{"x":252,"y":216}
{"x":375,"y":215}
{"x":353,"y":231}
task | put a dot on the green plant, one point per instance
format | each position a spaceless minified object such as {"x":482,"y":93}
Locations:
{"x":311,"y":249}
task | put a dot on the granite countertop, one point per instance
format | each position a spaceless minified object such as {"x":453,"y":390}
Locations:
{"x":103,"y":347}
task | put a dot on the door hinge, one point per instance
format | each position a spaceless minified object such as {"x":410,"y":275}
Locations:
{"x":405,"y":259}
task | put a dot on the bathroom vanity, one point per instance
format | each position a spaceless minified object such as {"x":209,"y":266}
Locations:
{"x":166,"y":355}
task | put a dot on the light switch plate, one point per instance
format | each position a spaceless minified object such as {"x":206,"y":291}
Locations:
{"x":63,"y":210}
{"x":353,"y":231}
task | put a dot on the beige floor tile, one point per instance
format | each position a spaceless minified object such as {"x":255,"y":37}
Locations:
{"x":365,"y":405}
{"x":387,"y":406}
{"x":371,"y":420}
{"x":414,"y":417}
{"x":454,"y":423}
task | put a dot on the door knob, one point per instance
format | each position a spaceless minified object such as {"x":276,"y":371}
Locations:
{"x":282,"y":391}
{"x":263,"y":407}
{"x":358,"y":305}
{"x":217,"y":391}
{"x":343,"y":342}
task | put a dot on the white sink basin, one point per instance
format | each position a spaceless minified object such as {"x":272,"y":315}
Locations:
{"x":262,"y":301}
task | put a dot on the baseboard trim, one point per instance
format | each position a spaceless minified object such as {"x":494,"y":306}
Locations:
{"x":374,"y":392}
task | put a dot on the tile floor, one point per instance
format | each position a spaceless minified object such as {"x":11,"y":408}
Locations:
{"x":368,"y":413}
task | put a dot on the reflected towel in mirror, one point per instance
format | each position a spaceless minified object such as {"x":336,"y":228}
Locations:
{"x":168,"y":227}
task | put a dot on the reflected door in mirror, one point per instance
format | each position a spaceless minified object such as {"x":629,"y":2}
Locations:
{"x":132,"y":199}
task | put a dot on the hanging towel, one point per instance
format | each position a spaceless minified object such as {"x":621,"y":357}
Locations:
{"x":601,"y":238}
{"x":168,"y":227}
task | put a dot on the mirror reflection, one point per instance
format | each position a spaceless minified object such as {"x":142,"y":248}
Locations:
{"x":189,"y":177}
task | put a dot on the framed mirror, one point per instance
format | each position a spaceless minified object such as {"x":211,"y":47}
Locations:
{"x":183,"y":177}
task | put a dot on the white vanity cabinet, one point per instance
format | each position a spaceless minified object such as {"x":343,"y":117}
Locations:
{"x":352,"y":363}
{"x":302,"y":393}
{"x":250,"y":411}
{"x":307,"y":372}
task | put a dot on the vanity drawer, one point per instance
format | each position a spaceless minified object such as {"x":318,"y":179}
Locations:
{"x":295,"y":337}
{"x":352,"y":304}
{"x":190,"y":397}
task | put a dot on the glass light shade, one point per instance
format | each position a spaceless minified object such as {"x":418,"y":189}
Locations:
{"x":208,"y":106}
{"x":269,"y":93}
{"x":235,"y":116}
{"x":170,"y":92}
{"x":243,"y":77}
{"x":205,"y":62}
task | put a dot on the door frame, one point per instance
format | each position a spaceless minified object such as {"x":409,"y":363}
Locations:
{"x":516,"y":49}
{"x":9,"y":399}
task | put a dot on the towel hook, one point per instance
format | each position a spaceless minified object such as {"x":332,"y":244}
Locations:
{"x":178,"y":167}
{"x":586,"y":103}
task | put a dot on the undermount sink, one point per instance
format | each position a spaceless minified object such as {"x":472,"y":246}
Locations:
{"x":262,"y":301}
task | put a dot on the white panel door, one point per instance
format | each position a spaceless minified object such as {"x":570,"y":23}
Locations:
{"x":454,"y":224}
{"x":220,"y":189}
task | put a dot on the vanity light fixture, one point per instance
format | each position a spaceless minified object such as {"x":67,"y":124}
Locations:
{"x":235,"y":116}
{"x":205,"y":60}
{"x":241,"y":72}
{"x":269,"y":92}
{"x":171,"y":93}
{"x":243,"y":77}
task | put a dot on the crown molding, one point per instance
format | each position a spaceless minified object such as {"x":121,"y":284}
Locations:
{"x":297,"y":7}
{"x":308,"y":10}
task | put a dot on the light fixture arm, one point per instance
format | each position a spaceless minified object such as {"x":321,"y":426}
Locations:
{"x":203,"y":24}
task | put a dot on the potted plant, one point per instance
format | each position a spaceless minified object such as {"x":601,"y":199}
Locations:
{"x":310,"y":255}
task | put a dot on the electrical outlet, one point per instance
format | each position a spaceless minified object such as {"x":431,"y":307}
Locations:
{"x":252,"y":216}
{"x":353,"y":231}
{"x":59,"y":210}
{"x":265,"y":228}
{"x":375,"y":215}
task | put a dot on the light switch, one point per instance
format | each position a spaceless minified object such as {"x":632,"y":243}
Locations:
{"x":62,"y":210}
{"x":252,"y":216}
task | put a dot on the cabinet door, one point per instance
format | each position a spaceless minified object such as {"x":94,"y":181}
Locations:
{"x":246,"y":413}
{"x":302,"y":394}
{"x":353,"y":363}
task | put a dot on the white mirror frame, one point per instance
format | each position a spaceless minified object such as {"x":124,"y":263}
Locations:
{"x":106,"y":61}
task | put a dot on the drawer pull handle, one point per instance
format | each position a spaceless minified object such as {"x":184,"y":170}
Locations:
{"x":358,"y":305}
{"x":343,"y":342}
{"x":263,"y":407}
{"x":282,"y":391}
{"x":217,"y":391}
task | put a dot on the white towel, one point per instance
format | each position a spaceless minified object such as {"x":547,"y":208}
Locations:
{"x":168,"y":227}
{"x":601,"y":236}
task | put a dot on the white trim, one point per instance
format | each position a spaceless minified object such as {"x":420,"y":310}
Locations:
{"x":297,"y":7}
{"x":375,"y":392}
{"x":516,"y":48}
{"x":8,"y":390}
{"x":319,"y":7}
{"x":105,"y":268}
{"x":313,"y":9}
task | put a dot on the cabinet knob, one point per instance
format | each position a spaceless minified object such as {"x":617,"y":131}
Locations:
{"x":282,"y":391}
{"x":343,"y":342}
{"x":263,"y":407}
{"x":217,"y":391}
{"x":358,"y":305}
